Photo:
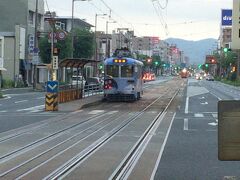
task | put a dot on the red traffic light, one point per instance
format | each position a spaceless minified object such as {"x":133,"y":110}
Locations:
{"x":149,"y":60}
{"x":213,"y":61}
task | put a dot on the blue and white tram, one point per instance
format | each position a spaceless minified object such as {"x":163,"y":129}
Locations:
{"x":123,"y":79}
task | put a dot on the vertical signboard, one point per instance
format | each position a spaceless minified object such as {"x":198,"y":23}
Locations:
{"x":226,"y":17}
{"x":30,"y":44}
{"x":22,"y":34}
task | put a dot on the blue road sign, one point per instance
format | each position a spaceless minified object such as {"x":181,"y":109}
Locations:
{"x":226,"y":17}
{"x":52,"y":86}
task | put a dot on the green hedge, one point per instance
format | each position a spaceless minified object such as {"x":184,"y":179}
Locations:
{"x":7,"y":83}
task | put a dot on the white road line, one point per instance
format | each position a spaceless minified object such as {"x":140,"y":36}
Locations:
{"x":40,"y":98}
{"x":185,"y":124}
{"x":3,"y":111}
{"x":162,"y":149}
{"x":20,"y":101}
{"x":186,"y":106}
{"x":31,"y":108}
{"x":198,"y":115}
{"x":216,"y":96}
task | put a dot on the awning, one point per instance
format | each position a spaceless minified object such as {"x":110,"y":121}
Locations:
{"x":76,"y":62}
{"x":2,"y":69}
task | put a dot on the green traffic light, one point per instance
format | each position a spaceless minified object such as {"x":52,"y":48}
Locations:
{"x":156,"y":63}
{"x":206,"y":65}
{"x":225,"y":50}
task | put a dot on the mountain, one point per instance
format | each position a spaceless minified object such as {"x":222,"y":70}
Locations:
{"x":195,"y":50}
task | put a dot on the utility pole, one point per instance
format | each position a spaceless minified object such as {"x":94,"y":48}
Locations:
{"x":35,"y":47}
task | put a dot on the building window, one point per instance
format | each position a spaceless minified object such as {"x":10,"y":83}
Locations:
{"x":30,"y":17}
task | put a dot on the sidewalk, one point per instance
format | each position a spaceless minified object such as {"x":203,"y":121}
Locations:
{"x":81,"y":103}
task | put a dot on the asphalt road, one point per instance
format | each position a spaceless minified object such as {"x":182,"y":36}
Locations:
{"x":191,"y":149}
{"x":21,"y":107}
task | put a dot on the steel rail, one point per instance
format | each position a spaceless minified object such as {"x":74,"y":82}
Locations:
{"x":67,"y":167}
{"x":126,"y":166}
{"x":42,"y":140}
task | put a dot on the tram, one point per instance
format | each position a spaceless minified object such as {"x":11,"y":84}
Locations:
{"x":123,"y":77}
{"x":184,"y":73}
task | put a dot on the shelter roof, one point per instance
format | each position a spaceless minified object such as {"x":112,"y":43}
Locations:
{"x":76,"y":62}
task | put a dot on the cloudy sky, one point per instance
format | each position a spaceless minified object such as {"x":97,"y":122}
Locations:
{"x":186,"y":19}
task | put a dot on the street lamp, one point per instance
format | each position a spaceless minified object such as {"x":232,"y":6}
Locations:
{"x":72,"y":25}
{"x":108,"y":48}
{"x":96,"y":44}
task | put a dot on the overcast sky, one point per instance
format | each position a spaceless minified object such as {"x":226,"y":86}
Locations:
{"x":186,"y":19}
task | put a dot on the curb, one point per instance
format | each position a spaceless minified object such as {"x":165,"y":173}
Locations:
{"x":92,"y":104}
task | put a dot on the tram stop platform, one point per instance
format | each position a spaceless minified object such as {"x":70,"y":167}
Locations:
{"x":80,"y":103}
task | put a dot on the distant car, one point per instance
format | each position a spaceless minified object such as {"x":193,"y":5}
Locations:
{"x":198,"y":77}
{"x":94,"y":83}
{"x":209,"y":78}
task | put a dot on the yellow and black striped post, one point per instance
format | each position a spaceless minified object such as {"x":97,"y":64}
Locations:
{"x":51,"y":102}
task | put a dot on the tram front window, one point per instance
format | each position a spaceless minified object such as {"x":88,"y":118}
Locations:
{"x":126,"y":71}
{"x":112,"y":70}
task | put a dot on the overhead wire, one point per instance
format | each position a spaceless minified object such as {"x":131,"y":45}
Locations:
{"x":160,"y":16}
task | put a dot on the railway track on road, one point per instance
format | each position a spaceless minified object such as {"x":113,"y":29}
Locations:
{"x":61,"y":150}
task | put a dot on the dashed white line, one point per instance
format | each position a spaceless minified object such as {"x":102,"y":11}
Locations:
{"x":31,"y":108}
{"x":186,"y":106}
{"x":185,"y":124}
{"x":40,"y":98}
{"x":198,"y":115}
{"x":20,"y":101}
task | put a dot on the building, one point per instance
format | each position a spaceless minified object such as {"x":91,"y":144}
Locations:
{"x":18,"y":31}
{"x":226,"y":37}
{"x":65,"y":23}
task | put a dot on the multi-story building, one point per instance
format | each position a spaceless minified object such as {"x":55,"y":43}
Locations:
{"x":18,"y":33}
{"x":226,"y":37}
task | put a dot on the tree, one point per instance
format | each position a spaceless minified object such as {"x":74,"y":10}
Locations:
{"x":45,"y":48}
{"x":83,"y":43}
{"x":83,"y":46}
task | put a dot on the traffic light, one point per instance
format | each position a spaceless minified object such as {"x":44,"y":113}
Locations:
{"x":199,"y":66}
{"x":56,"y":51}
{"x":100,"y":66}
{"x":149,"y":60}
{"x":156,"y":63}
{"x":226,"y":50}
{"x":213,"y":61}
{"x":206,"y":65}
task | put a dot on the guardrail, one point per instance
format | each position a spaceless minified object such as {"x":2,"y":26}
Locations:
{"x":73,"y":92}
{"x":94,"y":89}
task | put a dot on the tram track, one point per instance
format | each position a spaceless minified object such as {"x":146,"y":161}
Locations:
{"x":71,"y":151}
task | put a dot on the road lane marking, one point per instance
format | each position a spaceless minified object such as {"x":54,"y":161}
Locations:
{"x":215,"y":115}
{"x":186,"y":106}
{"x":3,"y":111}
{"x":40,"y":98}
{"x":20,"y":101}
{"x":96,"y":112}
{"x":32,"y":108}
{"x":205,"y":103}
{"x":185,"y":125}
{"x":216,"y":96}
{"x":198,"y":115}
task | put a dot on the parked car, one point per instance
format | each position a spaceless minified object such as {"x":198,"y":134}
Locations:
{"x":93,"y":83}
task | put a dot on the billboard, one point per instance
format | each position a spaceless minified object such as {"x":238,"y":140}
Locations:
{"x":226,"y":17}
